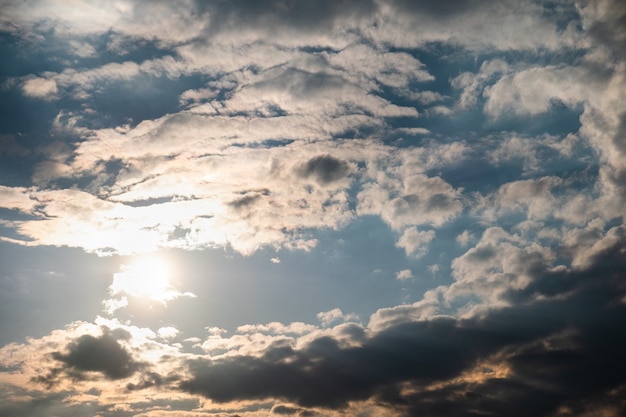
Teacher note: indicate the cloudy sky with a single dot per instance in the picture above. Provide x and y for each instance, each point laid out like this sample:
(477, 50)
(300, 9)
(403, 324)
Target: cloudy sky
(312, 208)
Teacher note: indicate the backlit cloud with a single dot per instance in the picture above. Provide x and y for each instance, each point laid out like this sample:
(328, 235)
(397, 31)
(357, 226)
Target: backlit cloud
(333, 208)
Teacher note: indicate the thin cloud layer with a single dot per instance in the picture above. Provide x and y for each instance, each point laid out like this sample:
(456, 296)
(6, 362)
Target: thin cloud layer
(455, 171)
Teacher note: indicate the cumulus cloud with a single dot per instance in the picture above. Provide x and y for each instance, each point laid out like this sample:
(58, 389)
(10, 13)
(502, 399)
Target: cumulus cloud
(415, 242)
(464, 238)
(487, 138)
(324, 169)
(40, 88)
(404, 274)
(244, 216)
(418, 199)
(88, 354)
(533, 91)
(168, 332)
(559, 334)
(500, 262)
(100, 354)
(84, 358)
(334, 315)
(538, 345)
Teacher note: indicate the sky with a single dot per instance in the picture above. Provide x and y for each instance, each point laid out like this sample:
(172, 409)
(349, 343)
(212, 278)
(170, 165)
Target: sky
(312, 208)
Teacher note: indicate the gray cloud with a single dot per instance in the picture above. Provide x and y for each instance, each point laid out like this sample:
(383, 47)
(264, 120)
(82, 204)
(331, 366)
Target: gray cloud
(246, 201)
(619, 140)
(47, 404)
(324, 169)
(101, 354)
(150, 379)
(434, 8)
(560, 342)
(610, 29)
(275, 14)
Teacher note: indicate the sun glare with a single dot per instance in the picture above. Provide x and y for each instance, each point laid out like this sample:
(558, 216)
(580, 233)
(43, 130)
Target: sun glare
(146, 277)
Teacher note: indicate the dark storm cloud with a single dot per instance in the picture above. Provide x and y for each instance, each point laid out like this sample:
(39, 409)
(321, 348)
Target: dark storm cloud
(579, 369)
(101, 354)
(326, 375)
(325, 169)
(562, 342)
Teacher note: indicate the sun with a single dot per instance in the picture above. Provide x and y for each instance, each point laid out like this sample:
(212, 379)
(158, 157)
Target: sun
(146, 277)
